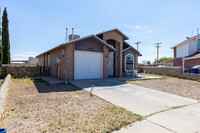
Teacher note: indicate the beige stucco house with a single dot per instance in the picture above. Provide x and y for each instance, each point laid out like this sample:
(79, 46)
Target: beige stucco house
(101, 55)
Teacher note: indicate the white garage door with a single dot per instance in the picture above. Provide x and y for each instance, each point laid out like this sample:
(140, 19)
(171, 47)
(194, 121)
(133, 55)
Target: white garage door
(88, 65)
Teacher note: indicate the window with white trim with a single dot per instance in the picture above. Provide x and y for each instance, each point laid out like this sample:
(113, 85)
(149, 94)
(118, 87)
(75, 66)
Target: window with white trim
(198, 44)
(129, 62)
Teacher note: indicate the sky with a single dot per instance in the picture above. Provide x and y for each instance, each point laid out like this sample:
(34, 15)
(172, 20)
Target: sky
(38, 25)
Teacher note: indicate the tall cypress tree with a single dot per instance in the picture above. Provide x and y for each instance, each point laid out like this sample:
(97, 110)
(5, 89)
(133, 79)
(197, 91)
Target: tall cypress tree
(1, 54)
(5, 38)
(1, 58)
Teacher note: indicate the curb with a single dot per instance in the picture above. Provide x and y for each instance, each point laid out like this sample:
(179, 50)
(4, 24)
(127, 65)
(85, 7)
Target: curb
(3, 93)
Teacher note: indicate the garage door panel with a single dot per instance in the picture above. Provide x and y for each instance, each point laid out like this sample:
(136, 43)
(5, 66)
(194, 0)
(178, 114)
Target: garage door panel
(88, 65)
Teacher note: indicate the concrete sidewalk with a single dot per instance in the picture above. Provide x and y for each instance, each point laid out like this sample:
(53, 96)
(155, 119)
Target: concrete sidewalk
(144, 101)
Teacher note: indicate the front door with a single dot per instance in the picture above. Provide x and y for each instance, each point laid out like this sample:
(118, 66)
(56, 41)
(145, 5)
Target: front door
(111, 64)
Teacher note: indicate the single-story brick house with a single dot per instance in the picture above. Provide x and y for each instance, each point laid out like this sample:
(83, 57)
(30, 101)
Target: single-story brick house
(187, 53)
(95, 56)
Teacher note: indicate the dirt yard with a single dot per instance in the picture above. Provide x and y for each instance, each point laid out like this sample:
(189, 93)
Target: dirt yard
(37, 107)
(182, 87)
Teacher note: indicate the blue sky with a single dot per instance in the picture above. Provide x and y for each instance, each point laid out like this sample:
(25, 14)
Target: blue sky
(38, 25)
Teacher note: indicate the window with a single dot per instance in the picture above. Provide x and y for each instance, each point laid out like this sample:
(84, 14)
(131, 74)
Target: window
(129, 62)
(63, 52)
(198, 44)
(48, 63)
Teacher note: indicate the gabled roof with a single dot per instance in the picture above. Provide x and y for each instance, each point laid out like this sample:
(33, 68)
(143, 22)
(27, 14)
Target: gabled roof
(117, 30)
(78, 40)
(183, 42)
(130, 47)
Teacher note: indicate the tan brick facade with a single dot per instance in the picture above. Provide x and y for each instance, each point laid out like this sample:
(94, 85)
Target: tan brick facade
(65, 70)
(70, 61)
(113, 35)
(129, 51)
(105, 61)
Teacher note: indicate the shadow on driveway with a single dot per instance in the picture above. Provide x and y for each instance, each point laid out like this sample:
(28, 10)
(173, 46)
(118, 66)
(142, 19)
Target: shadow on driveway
(101, 83)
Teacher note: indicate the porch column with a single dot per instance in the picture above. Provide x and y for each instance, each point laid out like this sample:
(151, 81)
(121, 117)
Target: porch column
(105, 61)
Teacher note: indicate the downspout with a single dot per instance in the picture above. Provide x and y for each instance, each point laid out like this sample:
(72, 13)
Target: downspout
(183, 64)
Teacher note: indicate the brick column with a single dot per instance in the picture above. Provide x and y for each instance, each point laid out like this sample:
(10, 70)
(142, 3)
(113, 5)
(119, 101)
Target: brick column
(105, 61)
(120, 59)
(70, 61)
(116, 59)
(175, 53)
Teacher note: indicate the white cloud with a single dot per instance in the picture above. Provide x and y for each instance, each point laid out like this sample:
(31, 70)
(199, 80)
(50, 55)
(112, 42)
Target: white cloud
(137, 27)
(150, 32)
(132, 26)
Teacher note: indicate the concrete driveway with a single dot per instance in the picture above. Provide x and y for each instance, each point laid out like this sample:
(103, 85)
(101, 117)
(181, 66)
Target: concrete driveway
(170, 113)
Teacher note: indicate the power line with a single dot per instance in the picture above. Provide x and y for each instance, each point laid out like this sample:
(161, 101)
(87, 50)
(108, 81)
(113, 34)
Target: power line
(157, 46)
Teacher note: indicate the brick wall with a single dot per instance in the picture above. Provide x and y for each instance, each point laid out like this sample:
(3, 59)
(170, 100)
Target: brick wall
(65, 70)
(70, 61)
(188, 63)
(170, 71)
(130, 51)
(192, 62)
(178, 62)
(105, 61)
(118, 53)
(20, 71)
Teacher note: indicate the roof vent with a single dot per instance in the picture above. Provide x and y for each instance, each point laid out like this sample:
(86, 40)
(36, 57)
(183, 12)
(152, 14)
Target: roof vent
(187, 38)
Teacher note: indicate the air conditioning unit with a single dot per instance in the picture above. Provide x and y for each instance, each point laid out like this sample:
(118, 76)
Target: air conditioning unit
(57, 60)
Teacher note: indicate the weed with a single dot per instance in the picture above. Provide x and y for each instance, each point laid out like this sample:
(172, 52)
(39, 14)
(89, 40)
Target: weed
(176, 107)
(25, 116)
(45, 129)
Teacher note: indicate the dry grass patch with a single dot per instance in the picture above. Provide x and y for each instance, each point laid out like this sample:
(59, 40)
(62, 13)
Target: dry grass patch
(37, 107)
(182, 87)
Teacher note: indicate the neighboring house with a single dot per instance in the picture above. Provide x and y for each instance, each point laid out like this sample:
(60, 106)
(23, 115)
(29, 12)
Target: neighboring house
(96, 56)
(30, 61)
(187, 53)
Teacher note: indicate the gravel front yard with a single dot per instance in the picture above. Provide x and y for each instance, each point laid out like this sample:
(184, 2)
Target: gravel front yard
(182, 87)
(37, 107)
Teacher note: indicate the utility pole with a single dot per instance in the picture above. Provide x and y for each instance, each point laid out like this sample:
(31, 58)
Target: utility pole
(137, 43)
(157, 46)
